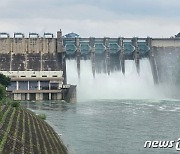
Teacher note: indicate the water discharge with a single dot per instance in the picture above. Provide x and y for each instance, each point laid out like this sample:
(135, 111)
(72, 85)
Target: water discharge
(116, 85)
(126, 111)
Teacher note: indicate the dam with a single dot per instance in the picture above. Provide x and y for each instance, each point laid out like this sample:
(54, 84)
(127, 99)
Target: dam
(37, 65)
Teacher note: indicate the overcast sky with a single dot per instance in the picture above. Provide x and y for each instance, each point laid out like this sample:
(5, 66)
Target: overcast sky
(98, 18)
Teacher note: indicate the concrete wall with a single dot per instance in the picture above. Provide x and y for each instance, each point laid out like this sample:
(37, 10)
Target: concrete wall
(171, 42)
(41, 53)
(38, 96)
(49, 45)
(30, 45)
(29, 74)
(18, 45)
(33, 53)
(20, 54)
(5, 45)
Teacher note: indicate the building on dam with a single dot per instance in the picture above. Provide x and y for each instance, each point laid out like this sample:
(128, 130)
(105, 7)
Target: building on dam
(35, 85)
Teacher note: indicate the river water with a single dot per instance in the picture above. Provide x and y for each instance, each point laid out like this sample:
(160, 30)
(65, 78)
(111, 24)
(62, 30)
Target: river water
(114, 114)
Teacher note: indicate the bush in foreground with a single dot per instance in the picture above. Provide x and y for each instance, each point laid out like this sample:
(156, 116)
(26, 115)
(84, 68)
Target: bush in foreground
(15, 104)
(2, 92)
(42, 116)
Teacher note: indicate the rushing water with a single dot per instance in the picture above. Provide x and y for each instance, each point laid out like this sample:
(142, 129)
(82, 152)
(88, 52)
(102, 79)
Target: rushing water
(114, 114)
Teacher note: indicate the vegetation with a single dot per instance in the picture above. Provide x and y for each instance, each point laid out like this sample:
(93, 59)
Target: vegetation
(22, 131)
(2, 92)
(178, 35)
(15, 104)
(42, 116)
(2, 97)
(4, 80)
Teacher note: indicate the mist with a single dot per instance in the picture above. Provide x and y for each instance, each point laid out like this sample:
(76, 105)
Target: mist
(168, 63)
(116, 85)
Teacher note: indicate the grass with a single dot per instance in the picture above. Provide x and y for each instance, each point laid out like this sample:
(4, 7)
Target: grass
(4, 139)
(22, 131)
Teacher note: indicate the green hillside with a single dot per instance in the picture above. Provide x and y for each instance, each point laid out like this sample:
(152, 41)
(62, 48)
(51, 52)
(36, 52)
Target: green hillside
(21, 131)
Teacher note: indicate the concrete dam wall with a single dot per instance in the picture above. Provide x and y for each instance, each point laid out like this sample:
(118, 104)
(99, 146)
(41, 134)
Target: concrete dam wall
(36, 67)
(48, 54)
(25, 54)
(20, 53)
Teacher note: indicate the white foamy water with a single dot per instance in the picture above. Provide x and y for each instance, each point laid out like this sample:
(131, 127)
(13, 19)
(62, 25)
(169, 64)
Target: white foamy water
(116, 85)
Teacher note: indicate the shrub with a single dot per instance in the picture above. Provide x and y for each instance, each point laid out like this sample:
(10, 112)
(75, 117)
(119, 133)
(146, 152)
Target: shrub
(0, 117)
(7, 101)
(2, 92)
(4, 80)
(15, 104)
(42, 116)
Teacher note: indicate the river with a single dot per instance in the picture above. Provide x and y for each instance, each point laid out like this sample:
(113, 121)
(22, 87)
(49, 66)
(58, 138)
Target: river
(114, 114)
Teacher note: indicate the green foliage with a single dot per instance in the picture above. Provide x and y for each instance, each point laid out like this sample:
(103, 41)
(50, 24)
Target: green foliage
(42, 116)
(15, 104)
(4, 80)
(2, 92)
(1, 117)
(7, 101)
(5, 137)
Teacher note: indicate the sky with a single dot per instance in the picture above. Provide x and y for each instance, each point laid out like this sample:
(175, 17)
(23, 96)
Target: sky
(92, 18)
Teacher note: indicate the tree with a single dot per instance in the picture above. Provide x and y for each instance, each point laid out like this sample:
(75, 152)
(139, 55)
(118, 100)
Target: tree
(4, 80)
(2, 97)
(178, 35)
(2, 92)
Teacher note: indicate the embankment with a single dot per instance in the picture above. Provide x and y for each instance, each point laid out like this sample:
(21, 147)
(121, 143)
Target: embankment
(21, 131)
